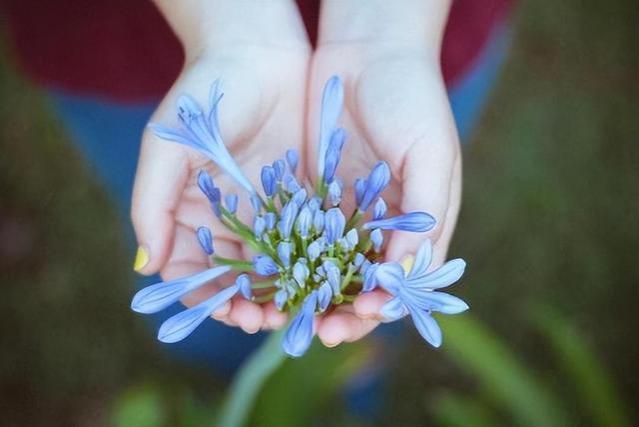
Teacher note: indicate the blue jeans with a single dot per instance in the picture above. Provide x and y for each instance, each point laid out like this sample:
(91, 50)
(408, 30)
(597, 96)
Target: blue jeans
(108, 134)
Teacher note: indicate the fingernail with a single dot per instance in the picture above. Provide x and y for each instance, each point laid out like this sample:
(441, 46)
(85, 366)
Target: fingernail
(141, 258)
(407, 263)
(331, 345)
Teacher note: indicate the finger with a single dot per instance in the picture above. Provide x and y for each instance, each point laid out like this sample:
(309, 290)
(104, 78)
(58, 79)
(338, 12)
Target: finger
(440, 247)
(247, 315)
(368, 305)
(161, 176)
(273, 318)
(426, 182)
(343, 325)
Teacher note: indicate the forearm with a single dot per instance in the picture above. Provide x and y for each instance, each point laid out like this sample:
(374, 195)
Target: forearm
(209, 24)
(411, 23)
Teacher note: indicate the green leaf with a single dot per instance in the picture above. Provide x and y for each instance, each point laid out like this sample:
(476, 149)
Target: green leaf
(511, 384)
(589, 378)
(139, 406)
(453, 410)
(295, 394)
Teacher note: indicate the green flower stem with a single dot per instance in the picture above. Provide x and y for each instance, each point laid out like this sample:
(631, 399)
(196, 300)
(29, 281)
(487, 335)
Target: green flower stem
(264, 298)
(236, 264)
(250, 379)
(347, 277)
(354, 219)
(265, 284)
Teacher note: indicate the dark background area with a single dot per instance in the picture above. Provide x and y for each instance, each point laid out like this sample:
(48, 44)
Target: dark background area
(548, 227)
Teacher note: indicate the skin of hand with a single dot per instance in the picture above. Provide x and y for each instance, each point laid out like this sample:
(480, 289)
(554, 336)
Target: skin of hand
(263, 63)
(396, 109)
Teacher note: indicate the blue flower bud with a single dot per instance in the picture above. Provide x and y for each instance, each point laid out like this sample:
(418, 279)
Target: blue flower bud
(352, 238)
(256, 202)
(205, 238)
(231, 202)
(369, 278)
(299, 334)
(334, 223)
(299, 197)
(268, 180)
(314, 203)
(377, 180)
(279, 168)
(280, 299)
(292, 158)
(359, 260)
(333, 276)
(319, 221)
(304, 222)
(314, 250)
(324, 295)
(269, 219)
(205, 182)
(360, 188)
(264, 265)
(284, 253)
(377, 238)
(379, 210)
(290, 184)
(335, 192)
(243, 282)
(287, 219)
(300, 272)
(259, 225)
(412, 221)
(333, 154)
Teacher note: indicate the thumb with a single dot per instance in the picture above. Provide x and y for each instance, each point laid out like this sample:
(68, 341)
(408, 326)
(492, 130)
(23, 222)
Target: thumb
(160, 179)
(426, 184)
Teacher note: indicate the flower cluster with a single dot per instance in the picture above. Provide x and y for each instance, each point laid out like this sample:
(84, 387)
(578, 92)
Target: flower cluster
(312, 255)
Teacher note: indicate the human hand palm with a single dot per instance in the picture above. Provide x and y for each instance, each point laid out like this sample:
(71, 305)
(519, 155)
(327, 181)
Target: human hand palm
(264, 111)
(395, 109)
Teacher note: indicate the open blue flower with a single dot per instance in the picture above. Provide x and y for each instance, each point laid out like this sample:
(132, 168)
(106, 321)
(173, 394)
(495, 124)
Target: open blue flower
(414, 292)
(412, 221)
(202, 133)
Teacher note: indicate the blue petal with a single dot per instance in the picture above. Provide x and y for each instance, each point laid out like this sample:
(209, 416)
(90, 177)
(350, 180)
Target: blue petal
(300, 272)
(259, 225)
(279, 167)
(174, 135)
(268, 180)
(243, 283)
(332, 101)
(422, 261)
(289, 215)
(393, 310)
(333, 276)
(161, 295)
(444, 276)
(319, 220)
(360, 189)
(181, 325)
(434, 301)
(377, 238)
(333, 154)
(299, 334)
(304, 222)
(377, 180)
(284, 250)
(335, 192)
(270, 219)
(426, 326)
(390, 276)
(370, 279)
(280, 298)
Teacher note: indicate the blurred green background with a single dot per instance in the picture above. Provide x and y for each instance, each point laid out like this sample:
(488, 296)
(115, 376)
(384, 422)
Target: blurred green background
(549, 228)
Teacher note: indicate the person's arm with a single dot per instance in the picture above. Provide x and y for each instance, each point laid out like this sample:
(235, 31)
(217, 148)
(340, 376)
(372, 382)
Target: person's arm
(397, 110)
(259, 51)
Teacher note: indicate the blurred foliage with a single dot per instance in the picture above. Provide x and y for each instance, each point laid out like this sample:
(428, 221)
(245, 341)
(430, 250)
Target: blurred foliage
(549, 215)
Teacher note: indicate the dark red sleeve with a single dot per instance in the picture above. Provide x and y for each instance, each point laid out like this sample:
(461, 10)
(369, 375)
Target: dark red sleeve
(124, 50)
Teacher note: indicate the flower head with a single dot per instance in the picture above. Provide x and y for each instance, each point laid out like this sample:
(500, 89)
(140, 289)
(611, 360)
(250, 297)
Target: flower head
(311, 253)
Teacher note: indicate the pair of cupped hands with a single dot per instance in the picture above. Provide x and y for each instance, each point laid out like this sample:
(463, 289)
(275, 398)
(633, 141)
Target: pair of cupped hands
(395, 109)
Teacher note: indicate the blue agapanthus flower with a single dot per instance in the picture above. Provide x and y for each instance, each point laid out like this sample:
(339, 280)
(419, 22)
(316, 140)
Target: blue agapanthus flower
(311, 254)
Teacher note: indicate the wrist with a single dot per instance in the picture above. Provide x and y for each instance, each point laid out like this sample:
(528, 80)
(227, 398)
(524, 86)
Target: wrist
(407, 25)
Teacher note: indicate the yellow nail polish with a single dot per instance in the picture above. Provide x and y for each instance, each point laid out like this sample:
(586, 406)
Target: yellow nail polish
(407, 263)
(141, 259)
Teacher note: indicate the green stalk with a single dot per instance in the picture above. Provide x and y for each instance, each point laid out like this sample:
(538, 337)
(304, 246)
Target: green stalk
(235, 264)
(250, 379)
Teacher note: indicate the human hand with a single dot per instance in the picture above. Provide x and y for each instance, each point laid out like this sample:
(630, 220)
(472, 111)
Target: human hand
(396, 109)
(262, 61)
